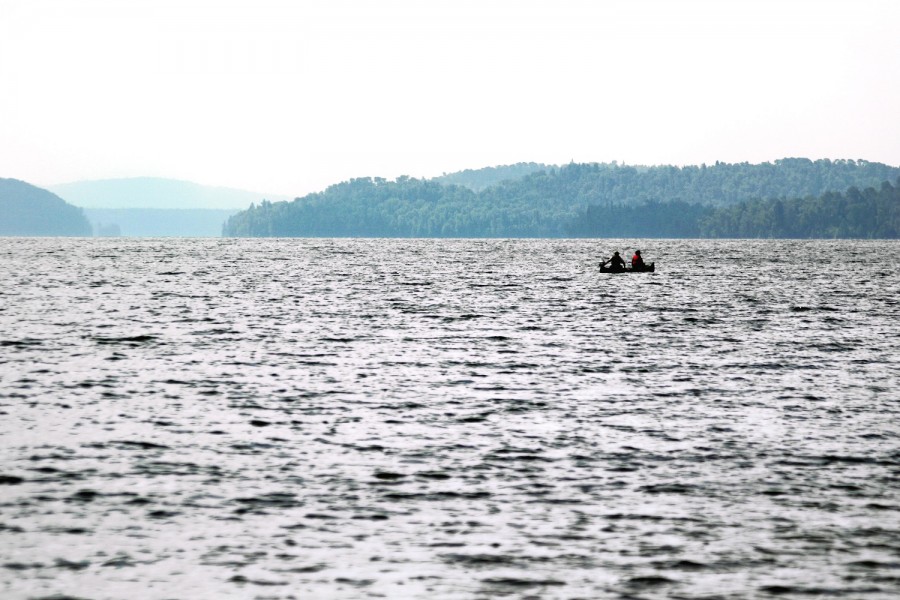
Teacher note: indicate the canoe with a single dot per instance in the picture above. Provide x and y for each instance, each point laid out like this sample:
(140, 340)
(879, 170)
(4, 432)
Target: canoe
(647, 269)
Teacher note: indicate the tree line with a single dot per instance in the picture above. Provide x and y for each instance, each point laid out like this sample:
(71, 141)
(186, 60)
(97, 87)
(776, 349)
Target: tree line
(867, 213)
(787, 198)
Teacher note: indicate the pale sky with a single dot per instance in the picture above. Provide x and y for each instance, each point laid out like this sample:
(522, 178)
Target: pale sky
(292, 96)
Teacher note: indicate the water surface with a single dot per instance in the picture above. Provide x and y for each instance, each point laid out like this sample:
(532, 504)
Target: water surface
(448, 419)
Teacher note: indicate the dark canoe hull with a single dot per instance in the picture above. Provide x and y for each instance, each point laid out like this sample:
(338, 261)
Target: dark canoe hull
(647, 269)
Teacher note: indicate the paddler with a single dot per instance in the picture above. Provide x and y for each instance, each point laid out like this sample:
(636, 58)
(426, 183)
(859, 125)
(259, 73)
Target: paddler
(615, 262)
(637, 263)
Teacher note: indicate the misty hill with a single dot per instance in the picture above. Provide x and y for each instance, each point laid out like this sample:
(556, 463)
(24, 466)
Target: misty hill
(156, 193)
(154, 222)
(557, 202)
(29, 210)
(479, 179)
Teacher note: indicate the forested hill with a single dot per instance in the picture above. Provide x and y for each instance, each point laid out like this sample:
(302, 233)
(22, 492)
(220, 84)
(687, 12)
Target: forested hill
(369, 207)
(719, 184)
(855, 213)
(867, 213)
(555, 202)
(29, 210)
(478, 179)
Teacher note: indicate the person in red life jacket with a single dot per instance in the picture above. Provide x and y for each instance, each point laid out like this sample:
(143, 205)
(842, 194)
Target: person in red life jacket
(615, 262)
(637, 263)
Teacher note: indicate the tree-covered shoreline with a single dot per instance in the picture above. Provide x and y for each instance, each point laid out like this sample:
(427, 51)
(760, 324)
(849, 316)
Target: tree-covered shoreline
(868, 213)
(787, 198)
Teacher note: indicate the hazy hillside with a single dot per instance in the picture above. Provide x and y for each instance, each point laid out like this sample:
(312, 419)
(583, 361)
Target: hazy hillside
(479, 179)
(149, 192)
(152, 222)
(572, 200)
(29, 210)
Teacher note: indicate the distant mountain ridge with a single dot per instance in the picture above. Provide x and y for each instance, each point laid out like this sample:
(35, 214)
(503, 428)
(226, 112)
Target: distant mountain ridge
(27, 210)
(157, 193)
(583, 200)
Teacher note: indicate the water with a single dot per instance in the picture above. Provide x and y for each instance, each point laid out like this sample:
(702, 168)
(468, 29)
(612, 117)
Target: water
(448, 419)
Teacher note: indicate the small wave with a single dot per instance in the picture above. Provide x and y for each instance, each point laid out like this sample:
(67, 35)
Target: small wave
(17, 566)
(517, 582)
(646, 581)
(681, 565)
(139, 444)
(261, 582)
(272, 500)
(437, 495)
(71, 565)
(131, 340)
(26, 343)
(791, 590)
(478, 560)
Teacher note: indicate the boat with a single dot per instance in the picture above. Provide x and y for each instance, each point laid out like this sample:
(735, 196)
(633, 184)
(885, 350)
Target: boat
(647, 269)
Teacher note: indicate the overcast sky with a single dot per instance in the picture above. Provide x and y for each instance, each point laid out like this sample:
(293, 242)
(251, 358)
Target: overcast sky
(292, 96)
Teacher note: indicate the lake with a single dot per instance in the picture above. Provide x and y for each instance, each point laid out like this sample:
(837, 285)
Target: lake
(348, 418)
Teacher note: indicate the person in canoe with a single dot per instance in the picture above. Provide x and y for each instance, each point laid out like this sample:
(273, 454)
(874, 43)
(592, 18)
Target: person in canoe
(637, 263)
(615, 262)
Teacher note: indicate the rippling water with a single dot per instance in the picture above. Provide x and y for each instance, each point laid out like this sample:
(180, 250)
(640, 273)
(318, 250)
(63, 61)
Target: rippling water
(448, 419)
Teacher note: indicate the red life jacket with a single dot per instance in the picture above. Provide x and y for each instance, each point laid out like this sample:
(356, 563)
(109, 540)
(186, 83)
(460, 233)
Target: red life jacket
(637, 261)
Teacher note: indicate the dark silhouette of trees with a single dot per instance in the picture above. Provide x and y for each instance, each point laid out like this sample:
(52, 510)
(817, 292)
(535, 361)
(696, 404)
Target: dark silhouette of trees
(870, 213)
(600, 200)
